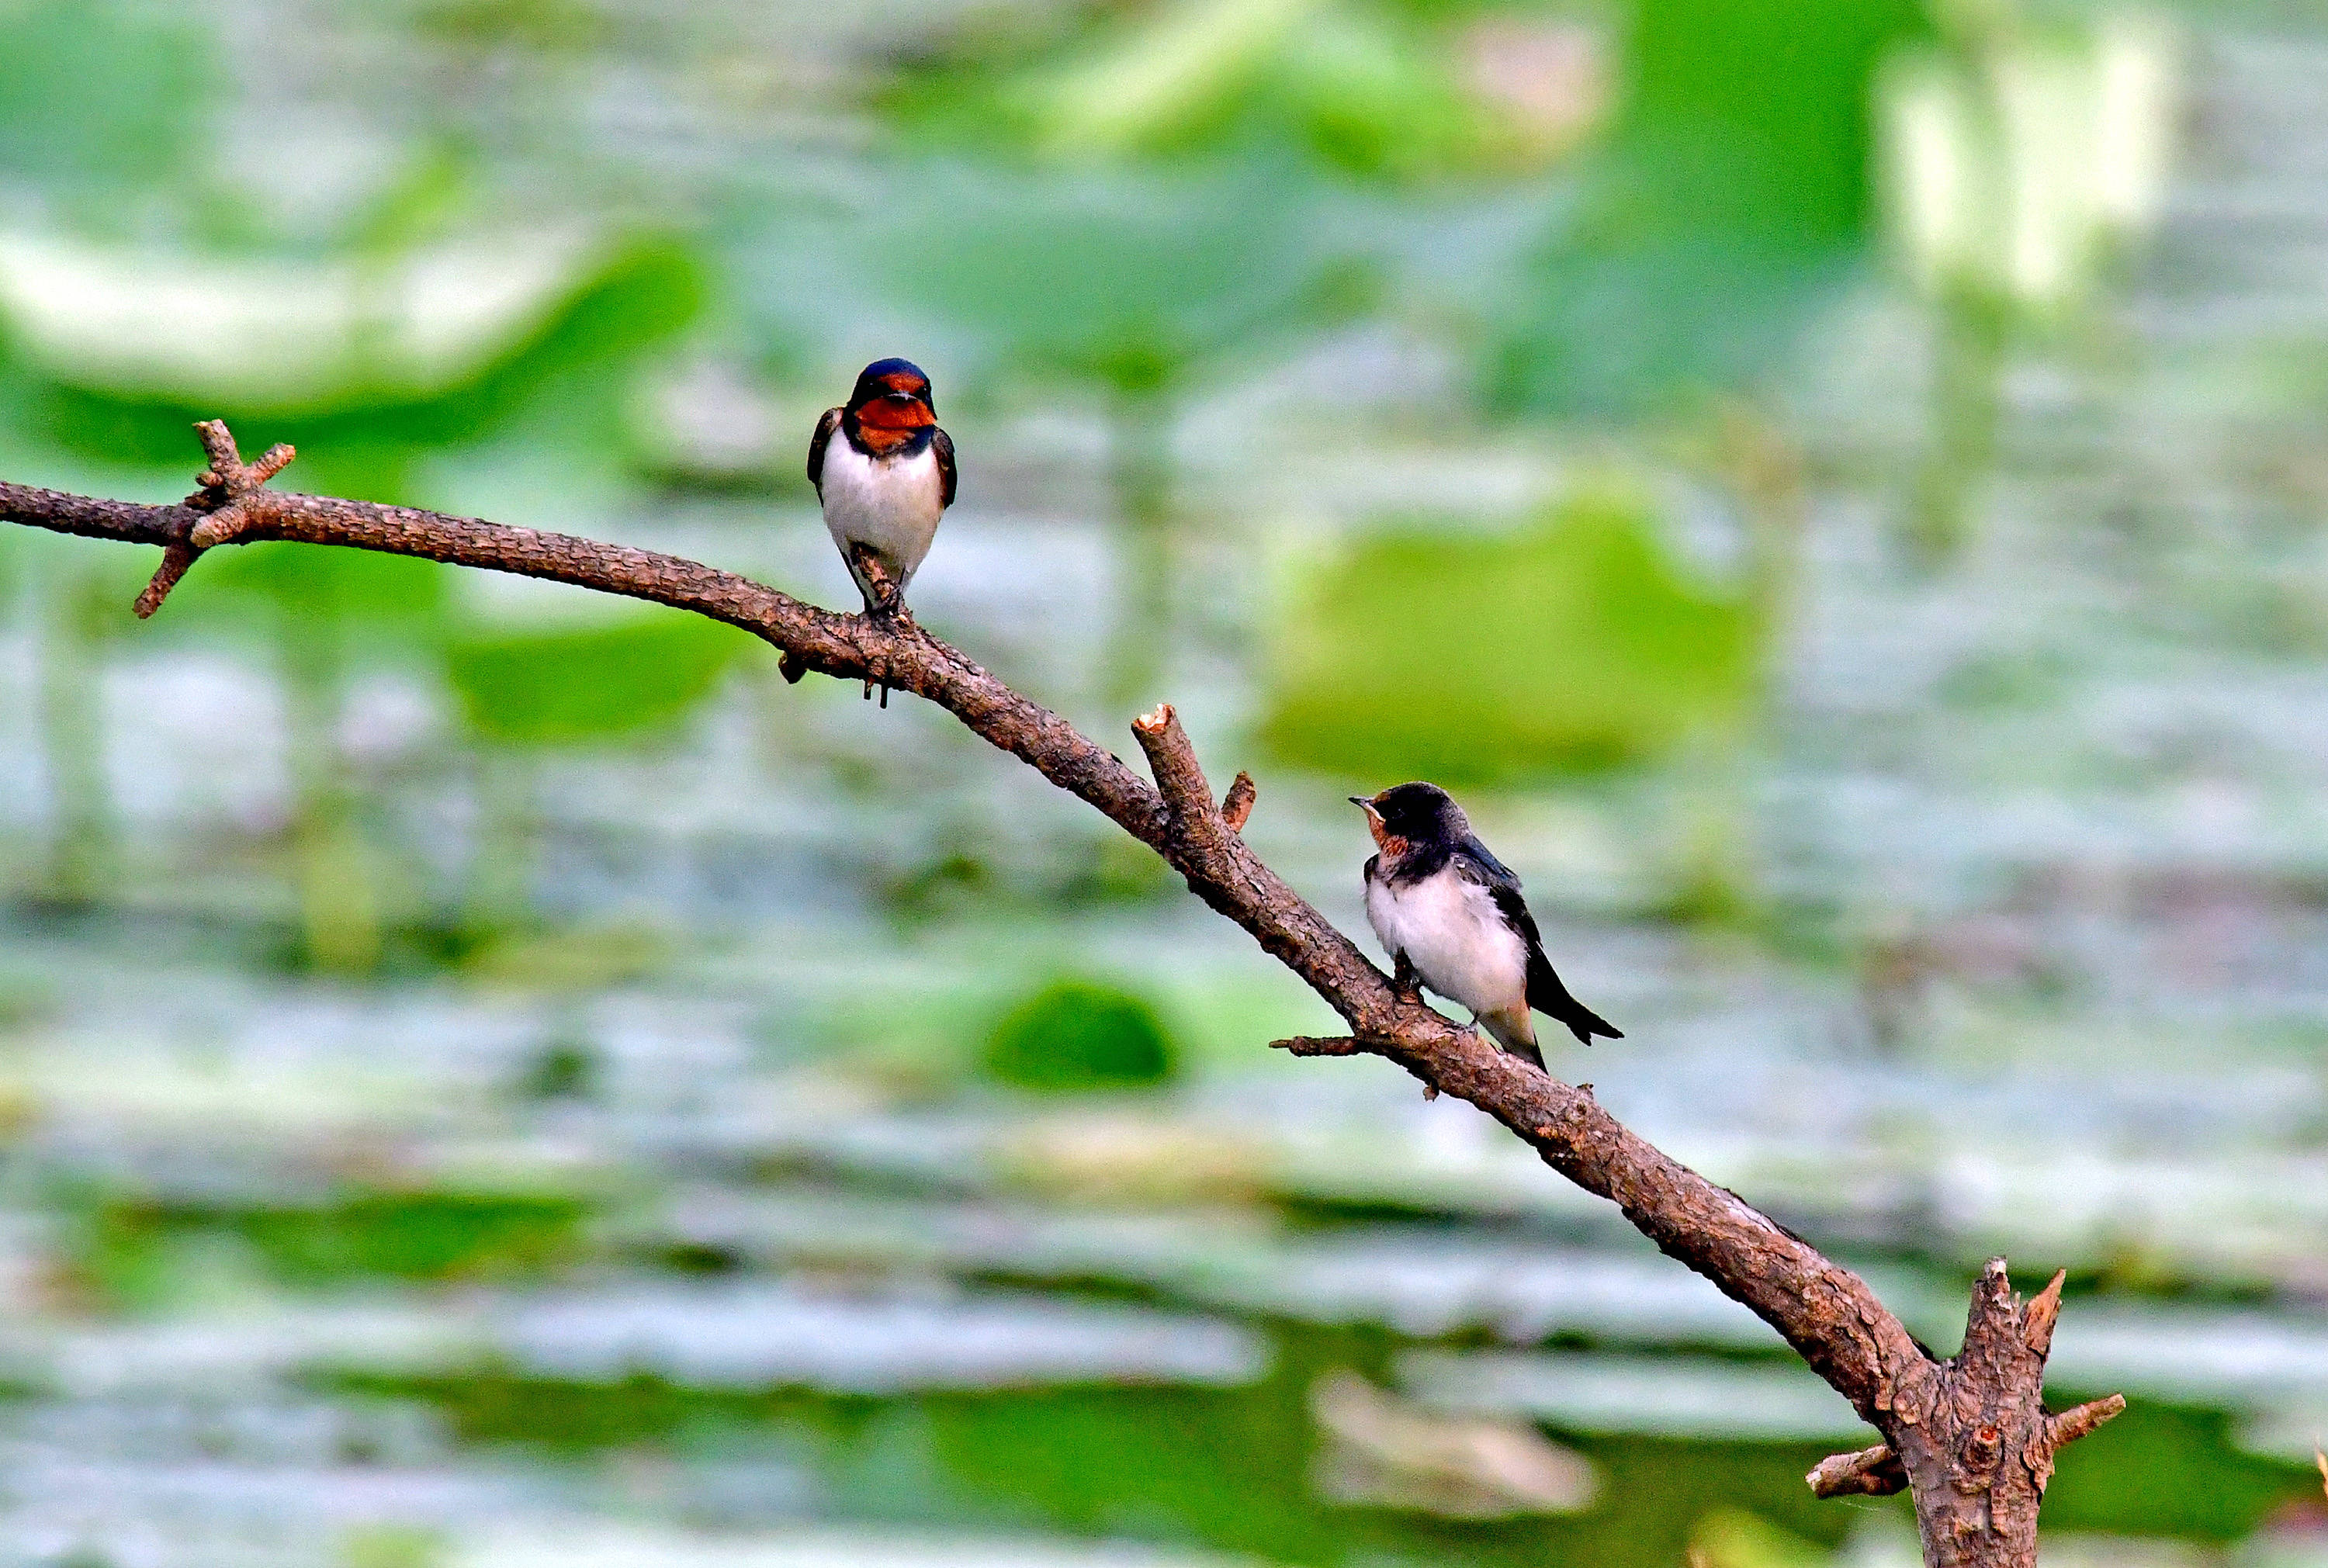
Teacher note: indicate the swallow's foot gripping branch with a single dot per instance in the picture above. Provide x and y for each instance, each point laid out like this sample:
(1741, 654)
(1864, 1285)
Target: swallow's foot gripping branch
(1969, 1436)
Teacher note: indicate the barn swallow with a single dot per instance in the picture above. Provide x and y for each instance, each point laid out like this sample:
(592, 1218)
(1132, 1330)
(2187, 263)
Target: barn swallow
(886, 482)
(1450, 915)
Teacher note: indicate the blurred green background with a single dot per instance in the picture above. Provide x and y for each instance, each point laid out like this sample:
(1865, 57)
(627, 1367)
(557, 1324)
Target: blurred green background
(489, 1074)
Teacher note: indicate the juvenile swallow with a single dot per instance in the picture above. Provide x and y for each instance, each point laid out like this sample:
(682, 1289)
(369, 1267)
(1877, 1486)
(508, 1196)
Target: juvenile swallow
(886, 482)
(1450, 915)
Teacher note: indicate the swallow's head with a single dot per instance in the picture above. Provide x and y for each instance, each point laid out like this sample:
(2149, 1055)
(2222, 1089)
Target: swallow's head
(1412, 813)
(893, 396)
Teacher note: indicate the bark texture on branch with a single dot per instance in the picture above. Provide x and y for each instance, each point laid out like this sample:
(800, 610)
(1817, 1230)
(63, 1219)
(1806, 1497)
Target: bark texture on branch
(1969, 1436)
(1974, 1436)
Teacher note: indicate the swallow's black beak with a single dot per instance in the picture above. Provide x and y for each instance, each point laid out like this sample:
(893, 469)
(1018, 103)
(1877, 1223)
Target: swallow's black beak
(1360, 801)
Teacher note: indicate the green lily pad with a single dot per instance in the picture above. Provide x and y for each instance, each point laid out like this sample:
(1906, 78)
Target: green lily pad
(1363, 89)
(1075, 1034)
(1577, 643)
(371, 597)
(101, 95)
(286, 336)
(1123, 283)
(569, 369)
(571, 685)
(1729, 201)
(1165, 74)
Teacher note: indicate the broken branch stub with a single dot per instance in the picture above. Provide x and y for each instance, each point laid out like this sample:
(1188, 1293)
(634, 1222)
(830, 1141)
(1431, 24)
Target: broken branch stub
(1872, 1473)
(1970, 1437)
(1236, 806)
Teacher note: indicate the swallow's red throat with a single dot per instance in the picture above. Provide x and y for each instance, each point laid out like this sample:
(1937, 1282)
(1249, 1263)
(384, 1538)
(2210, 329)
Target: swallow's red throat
(881, 443)
(881, 414)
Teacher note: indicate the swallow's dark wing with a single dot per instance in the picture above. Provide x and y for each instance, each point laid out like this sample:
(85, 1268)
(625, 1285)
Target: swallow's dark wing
(1498, 873)
(942, 444)
(1545, 993)
(816, 445)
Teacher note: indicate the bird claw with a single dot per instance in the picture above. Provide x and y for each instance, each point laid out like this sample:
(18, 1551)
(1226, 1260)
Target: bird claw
(1404, 980)
(885, 596)
(885, 606)
(1478, 1031)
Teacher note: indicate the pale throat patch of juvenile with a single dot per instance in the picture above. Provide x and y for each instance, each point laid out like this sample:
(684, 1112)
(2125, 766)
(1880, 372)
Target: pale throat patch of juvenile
(1451, 917)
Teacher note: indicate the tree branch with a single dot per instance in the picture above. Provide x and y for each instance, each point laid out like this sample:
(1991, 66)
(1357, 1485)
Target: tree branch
(2072, 1424)
(1877, 1472)
(1958, 1427)
(234, 496)
(1872, 1473)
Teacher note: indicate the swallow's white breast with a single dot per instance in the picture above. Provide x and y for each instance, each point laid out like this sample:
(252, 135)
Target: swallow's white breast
(890, 503)
(1451, 932)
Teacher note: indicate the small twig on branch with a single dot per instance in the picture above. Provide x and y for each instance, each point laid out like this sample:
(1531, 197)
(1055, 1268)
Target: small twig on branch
(1971, 1435)
(1872, 1473)
(1314, 1045)
(176, 557)
(2079, 1422)
(1236, 806)
(2044, 1309)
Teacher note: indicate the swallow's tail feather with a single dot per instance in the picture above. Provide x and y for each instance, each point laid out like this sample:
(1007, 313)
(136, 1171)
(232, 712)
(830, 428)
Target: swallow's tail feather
(1585, 1023)
(1549, 997)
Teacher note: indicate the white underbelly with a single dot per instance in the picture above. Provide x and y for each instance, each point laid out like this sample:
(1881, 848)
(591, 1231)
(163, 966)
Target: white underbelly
(1451, 932)
(892, 505)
